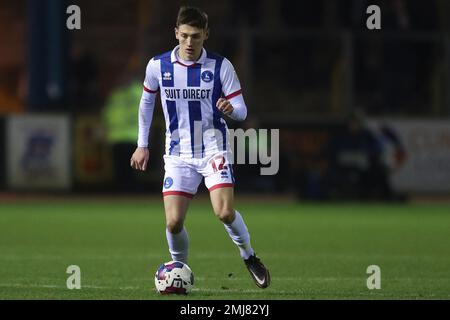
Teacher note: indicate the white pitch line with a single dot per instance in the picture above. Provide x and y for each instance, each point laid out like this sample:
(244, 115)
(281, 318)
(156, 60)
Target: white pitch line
(224, 291)
(21, 285)
(200, 290)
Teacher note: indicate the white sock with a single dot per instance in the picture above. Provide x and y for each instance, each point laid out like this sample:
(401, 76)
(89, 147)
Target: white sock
(239, 234)
(178, 245)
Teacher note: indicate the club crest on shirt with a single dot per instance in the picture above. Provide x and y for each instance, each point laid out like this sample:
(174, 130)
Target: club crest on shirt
(167, 76)
(168, 182)
(207, 76)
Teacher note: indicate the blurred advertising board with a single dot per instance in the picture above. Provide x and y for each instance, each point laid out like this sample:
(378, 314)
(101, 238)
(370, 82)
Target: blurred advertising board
(38, 152)
(93, 158)
(426, 165)
(2, 153)
(303, 159)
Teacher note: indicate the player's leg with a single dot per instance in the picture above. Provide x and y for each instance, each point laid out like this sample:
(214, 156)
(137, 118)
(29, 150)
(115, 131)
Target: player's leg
(180, 185)
(176, 207)
(222, 201)
(220, 181)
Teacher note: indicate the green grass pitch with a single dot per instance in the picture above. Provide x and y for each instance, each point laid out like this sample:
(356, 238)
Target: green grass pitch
(314, 251)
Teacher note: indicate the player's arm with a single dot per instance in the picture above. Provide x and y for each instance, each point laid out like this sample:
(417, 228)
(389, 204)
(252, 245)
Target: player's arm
(233, 104)
(235, 108)
(140, 157)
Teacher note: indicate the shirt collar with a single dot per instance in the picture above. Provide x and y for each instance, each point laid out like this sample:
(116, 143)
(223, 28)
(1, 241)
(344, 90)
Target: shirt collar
(201, 60)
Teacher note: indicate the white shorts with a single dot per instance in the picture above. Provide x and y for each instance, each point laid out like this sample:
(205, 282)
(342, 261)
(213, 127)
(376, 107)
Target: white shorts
(183, 175)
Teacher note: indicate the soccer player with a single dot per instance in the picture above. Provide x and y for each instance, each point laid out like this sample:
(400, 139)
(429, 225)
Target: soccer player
(198, 89)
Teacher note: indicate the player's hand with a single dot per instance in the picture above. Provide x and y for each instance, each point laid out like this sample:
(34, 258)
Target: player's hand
(224, 106)
(139, 159)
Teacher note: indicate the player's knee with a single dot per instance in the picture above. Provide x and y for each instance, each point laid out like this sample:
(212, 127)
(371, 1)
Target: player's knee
(174, 226)
(226, 215)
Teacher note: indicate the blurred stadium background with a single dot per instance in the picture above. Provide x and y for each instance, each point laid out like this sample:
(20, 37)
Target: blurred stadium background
(307, 68)
(364, 115)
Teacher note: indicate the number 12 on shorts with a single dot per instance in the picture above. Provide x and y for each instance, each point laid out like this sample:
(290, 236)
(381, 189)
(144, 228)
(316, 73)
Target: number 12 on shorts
(218, 163)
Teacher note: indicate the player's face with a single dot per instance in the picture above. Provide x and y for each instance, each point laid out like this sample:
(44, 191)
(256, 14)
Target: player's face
(191, 41)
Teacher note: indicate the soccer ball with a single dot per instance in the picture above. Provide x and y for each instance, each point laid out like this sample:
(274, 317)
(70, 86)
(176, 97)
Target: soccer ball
(174, 277)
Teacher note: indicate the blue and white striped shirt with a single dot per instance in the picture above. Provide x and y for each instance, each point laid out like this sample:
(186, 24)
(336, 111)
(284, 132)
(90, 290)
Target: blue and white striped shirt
(189, 93)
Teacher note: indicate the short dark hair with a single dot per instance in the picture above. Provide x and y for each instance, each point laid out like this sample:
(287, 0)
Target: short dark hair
(193, 17)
